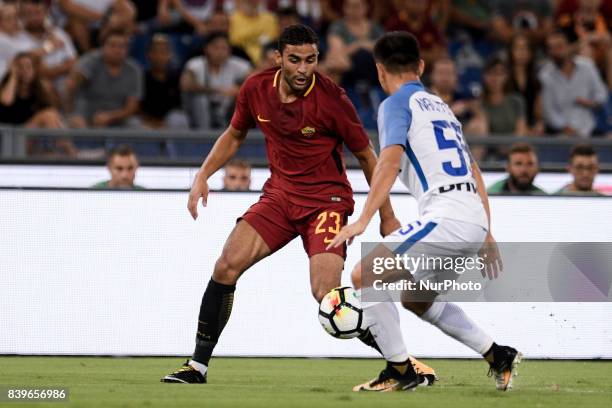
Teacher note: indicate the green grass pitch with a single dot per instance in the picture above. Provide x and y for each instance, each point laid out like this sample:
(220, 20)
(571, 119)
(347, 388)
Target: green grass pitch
(267, 382)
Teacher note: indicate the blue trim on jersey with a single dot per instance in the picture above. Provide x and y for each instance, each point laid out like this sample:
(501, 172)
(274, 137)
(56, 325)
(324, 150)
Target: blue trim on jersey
(395, 115)
(406, 245)
(417, 167)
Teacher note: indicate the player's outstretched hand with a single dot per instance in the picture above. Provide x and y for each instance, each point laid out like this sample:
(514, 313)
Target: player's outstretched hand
(388, 225)
(198, 189)
(348, 233)
(492, 258)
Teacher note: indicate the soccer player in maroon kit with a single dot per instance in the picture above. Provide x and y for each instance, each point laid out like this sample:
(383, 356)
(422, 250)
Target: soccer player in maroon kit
(306, 120)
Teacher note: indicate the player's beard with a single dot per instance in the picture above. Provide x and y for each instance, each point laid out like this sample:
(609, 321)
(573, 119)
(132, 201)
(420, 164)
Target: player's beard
(523, 183)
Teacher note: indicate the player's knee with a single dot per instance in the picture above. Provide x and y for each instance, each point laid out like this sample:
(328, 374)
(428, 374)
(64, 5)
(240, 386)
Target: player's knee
(418, 308)
(226, 271)
(356, 276)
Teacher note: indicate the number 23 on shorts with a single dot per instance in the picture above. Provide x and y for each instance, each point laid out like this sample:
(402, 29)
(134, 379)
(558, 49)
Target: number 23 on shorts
(324, 227)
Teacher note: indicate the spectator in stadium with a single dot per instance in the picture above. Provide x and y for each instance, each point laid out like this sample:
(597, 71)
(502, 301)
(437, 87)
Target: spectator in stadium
(522, 168)
(309, 11)
(58, 53)
(211, 83)
(569, 7)
(505, 111)
(122, 165)
(469, 111)
(287, 16)
(472, 16)
(237, 175)
(378, 10)
(524, 79)
(571, 89)
(350, 43)
(193, 15)
(586, 27)
(219, 21)
(161, 104)
(532, 18)
(250, 28)
(25, 99)
(583, 166)
(105, 87)
(414, 17)
(444, 81)
(85, 15)
(147, 12)
(13, 39)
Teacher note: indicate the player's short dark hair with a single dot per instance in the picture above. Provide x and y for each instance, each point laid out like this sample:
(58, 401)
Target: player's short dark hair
(521, 148)
(120, 150)
(398, 51)
(582, 149)
(240, 163)
(297, 34)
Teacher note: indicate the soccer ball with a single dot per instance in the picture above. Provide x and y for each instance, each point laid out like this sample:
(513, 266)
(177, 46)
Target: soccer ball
(340, 313)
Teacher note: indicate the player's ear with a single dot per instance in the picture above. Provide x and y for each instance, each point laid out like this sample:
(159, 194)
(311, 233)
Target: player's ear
(421, 67)
(380, 69)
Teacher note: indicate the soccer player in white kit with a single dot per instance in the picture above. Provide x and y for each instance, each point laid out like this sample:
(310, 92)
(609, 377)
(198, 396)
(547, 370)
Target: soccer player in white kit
(421, 141)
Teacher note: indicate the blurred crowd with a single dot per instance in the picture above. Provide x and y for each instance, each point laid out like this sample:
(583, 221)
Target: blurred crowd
(526, 68)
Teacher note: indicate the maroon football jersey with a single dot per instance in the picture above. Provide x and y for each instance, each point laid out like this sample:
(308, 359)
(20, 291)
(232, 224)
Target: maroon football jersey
(304, 138)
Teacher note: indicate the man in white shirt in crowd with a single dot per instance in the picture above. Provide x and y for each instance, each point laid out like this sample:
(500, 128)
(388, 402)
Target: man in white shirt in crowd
(211, 83)
(571, 89)
(59, 52)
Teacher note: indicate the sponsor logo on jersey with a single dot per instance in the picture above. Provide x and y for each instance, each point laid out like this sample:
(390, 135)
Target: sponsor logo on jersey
(466, 186)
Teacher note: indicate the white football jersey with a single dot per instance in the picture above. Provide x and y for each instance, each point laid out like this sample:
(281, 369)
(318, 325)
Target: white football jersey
(436, 168)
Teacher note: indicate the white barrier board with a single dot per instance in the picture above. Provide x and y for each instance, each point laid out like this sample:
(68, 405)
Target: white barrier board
(18, 175)
(101, 272)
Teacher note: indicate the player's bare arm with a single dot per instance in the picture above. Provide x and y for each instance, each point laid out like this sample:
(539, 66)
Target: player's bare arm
(388, 222)
(489, 250)
(384, 176)
(224, 149)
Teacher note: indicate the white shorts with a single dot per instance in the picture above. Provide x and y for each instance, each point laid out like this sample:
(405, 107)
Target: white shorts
(435, 237)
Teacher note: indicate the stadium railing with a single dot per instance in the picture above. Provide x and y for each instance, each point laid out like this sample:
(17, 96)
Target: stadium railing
(189, 147)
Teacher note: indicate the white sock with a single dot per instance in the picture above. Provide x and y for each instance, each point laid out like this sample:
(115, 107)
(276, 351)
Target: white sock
(198, 366)
(383, 321)
(453, 321)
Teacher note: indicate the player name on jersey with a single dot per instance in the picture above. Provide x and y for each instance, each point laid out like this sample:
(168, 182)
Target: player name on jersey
(430, 105)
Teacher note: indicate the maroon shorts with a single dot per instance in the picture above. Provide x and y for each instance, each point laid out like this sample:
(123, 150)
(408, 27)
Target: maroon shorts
(278, 222)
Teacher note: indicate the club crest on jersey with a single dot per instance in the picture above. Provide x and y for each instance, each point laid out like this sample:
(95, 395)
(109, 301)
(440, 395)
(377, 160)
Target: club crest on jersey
(308, 131)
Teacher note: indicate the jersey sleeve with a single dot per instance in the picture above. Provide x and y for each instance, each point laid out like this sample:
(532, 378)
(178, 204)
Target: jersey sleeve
(394, 120)
(242, 118)
(348, 125)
